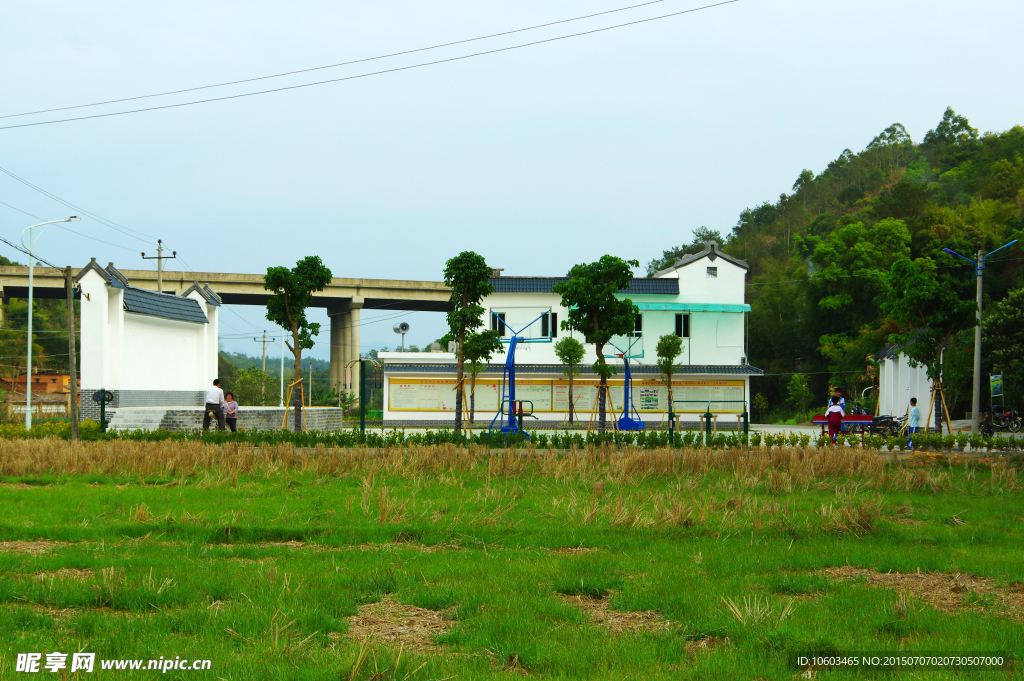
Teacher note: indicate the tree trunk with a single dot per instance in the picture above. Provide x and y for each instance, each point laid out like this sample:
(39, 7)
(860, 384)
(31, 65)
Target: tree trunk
(602, 391)
(459, 391)
(572, 368)
(298, 375)
(472, 399)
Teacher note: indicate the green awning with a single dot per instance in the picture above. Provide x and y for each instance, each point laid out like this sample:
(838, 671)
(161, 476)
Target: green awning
(694, 307)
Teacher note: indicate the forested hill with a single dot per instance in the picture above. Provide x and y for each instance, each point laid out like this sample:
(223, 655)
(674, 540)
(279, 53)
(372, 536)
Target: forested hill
(819, 255)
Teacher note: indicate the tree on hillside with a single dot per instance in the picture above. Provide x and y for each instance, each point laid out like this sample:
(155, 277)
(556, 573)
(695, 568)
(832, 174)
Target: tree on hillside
(926, 313)
(668, 258)
(479, 349)
(468, 276)
(952, 141)
(595, 312)
(1004, 340)
(670, 346)
(293, 293)
(570, 352)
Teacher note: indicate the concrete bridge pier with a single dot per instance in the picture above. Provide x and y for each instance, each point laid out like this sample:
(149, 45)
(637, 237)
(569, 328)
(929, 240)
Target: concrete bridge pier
(345, 320)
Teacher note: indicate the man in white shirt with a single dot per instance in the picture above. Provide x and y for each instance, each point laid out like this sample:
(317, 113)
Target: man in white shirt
(913, 422)
(214, 404)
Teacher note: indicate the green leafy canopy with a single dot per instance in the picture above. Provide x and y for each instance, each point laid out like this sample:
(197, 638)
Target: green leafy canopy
(293, 293)
(594, 309)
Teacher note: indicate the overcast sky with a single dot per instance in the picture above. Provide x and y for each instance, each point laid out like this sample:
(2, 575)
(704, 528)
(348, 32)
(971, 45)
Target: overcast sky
(619, 142)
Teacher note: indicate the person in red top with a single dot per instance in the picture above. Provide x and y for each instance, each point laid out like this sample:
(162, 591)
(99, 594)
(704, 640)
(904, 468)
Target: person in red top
(834, 415)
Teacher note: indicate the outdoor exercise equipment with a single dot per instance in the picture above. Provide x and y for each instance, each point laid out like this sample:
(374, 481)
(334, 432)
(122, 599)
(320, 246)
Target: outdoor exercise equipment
(511, 412)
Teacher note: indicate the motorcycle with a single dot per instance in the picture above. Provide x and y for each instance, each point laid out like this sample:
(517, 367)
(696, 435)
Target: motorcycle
(1004, 420)
(1009, 419)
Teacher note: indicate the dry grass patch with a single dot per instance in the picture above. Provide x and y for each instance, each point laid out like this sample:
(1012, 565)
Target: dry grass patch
(598, 612)
(943, 591)
(393, 622)
(706, 645)
(65, 573)
(573, 550)
(35, 548)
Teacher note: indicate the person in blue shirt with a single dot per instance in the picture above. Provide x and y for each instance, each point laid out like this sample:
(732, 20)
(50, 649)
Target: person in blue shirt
(913, 422)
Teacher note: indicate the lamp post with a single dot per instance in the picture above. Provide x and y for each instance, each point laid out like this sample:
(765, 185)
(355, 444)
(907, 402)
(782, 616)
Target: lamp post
(31, 267)
(979, 273)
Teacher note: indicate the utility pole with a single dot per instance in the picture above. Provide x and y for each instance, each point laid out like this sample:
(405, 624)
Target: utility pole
(309, 400)
(282, 369)
(264, 342)
(160, 257)
(979, 274)
(72, 358)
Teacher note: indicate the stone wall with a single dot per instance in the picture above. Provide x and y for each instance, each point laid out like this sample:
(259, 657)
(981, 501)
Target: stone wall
(138, 398)
(257, 418)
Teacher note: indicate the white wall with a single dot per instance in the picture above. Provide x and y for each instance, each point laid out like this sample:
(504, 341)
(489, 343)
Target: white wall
(898, 382)
(696, 287)
(159, 354)
(126, 351)
(716, 338)
(93, 343)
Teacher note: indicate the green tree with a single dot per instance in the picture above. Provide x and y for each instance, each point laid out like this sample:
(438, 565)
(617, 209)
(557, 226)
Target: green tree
(478, 351)
(596, 312)
(800, 394)
(670, 346)
(293, 294)
(570, 352)
(253, 387)
(469, 278)
(1004, 340)
(926, 313)
(760, 404)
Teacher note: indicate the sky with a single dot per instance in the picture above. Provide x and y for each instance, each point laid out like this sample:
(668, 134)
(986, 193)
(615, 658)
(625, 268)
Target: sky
(620, 142)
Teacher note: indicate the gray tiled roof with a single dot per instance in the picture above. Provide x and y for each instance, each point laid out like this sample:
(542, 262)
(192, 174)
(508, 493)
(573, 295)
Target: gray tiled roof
(164, 305)
(205, 291)
(712, 251)
(559, 370)
(668, 287)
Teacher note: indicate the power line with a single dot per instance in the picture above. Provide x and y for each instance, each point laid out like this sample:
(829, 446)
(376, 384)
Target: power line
(67, 229)
(331, 66)
(372, 73)
(31, 255)
(99, 218)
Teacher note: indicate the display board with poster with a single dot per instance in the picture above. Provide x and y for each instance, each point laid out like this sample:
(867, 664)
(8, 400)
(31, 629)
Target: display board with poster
(552, 395)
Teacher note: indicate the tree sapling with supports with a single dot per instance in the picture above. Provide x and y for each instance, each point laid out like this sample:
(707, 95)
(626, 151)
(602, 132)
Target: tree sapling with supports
(293, 293)
(594, 311)
(570, 352)
(469, 278)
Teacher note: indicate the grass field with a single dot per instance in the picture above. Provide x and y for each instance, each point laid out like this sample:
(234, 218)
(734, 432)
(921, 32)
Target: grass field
(451, 562)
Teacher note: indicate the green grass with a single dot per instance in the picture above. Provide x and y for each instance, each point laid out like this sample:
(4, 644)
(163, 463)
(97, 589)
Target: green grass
(196, 565)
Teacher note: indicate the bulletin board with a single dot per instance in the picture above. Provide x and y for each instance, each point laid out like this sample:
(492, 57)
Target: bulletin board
(552, 395)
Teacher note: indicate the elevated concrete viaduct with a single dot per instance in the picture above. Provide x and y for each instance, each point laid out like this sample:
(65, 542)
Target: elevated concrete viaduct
(344, 299)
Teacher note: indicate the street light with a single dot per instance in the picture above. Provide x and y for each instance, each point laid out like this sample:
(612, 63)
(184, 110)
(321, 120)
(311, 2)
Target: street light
(979, 273)
(31, 266)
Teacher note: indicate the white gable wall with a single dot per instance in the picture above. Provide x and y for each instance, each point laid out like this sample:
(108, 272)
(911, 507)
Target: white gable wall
(159, 354)
(695, 286)
(127, 351)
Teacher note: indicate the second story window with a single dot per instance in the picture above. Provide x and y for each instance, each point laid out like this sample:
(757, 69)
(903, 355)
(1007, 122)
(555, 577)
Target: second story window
(683, 325)
(549, 325)
(712, 273)
(498, 323)
(638, 326)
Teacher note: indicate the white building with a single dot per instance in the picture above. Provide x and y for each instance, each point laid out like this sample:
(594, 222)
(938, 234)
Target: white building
(898, 382)
(700, 299)
(147, 348)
